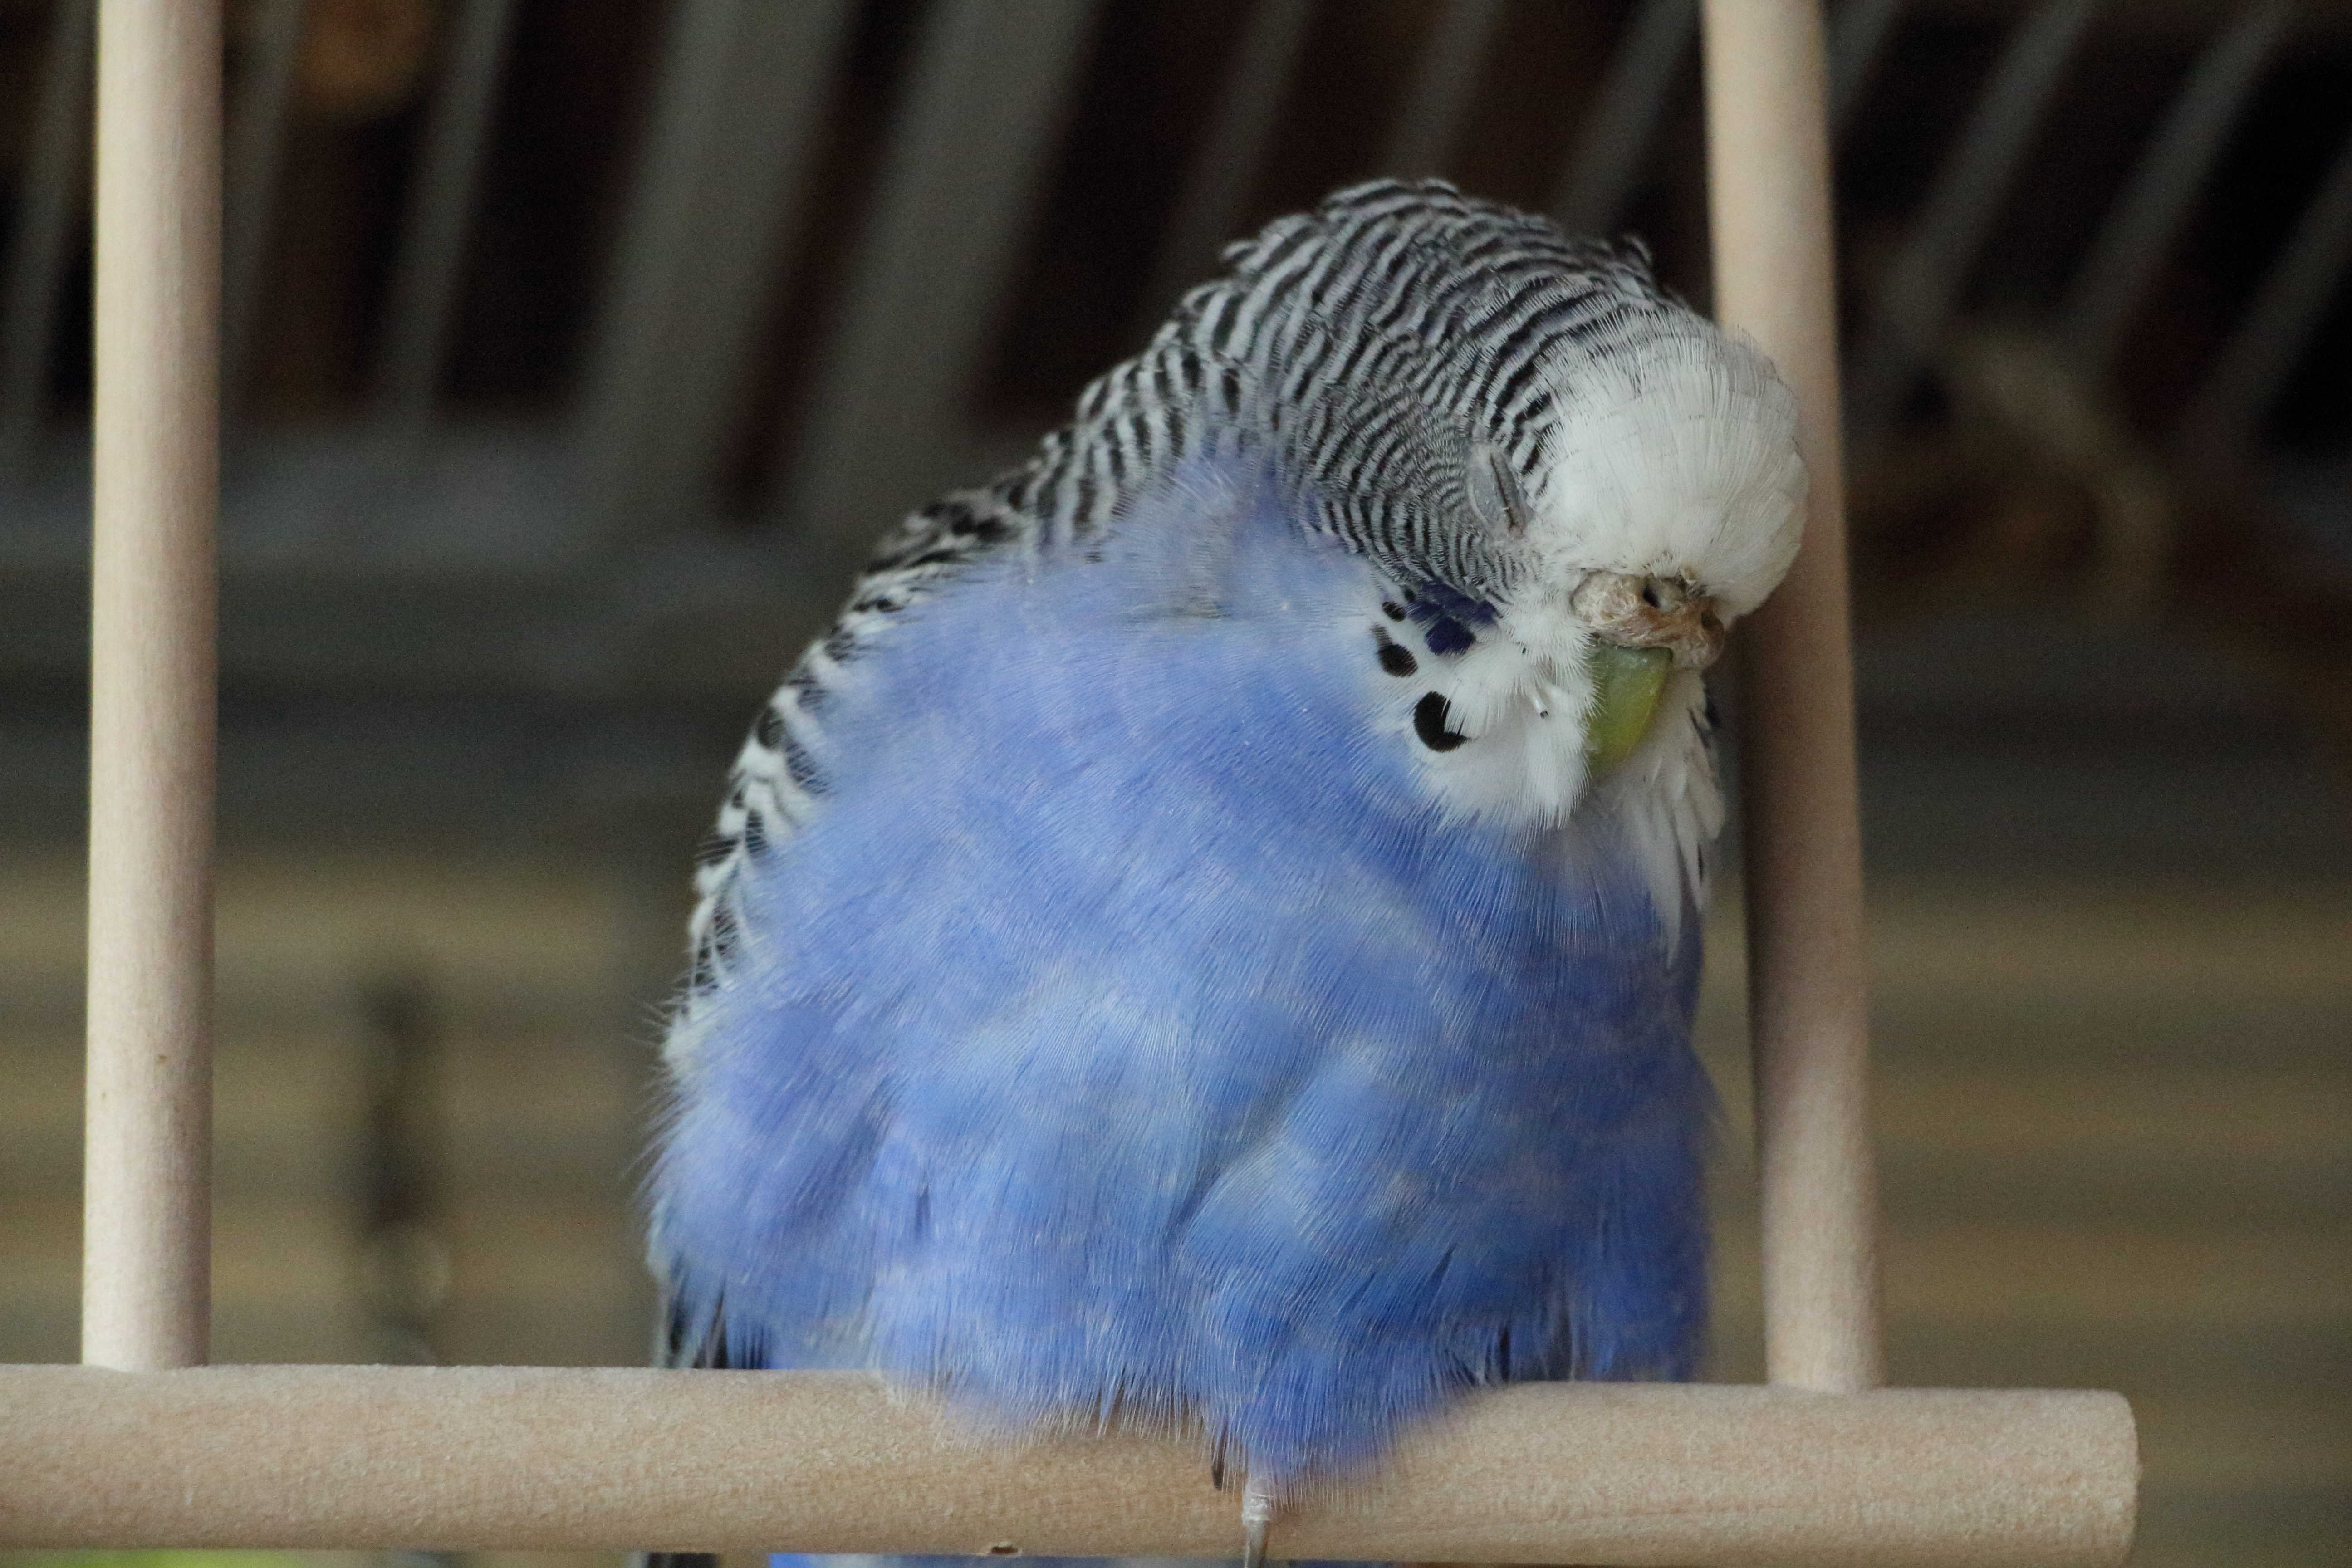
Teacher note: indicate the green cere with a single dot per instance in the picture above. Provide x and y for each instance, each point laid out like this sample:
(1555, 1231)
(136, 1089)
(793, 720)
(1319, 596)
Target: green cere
(1626, 682)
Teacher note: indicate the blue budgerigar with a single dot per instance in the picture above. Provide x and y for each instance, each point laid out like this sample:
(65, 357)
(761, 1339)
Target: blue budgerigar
(1210, 937)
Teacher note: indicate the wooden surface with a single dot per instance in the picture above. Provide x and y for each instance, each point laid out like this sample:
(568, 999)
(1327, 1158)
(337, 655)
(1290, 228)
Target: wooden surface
(1768, 208)
(147, 1239)
(460, 1457)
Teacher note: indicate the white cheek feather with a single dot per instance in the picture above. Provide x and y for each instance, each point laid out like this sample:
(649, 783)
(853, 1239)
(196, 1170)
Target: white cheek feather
(1521, 708)
(1677, 461)
(1520, 695)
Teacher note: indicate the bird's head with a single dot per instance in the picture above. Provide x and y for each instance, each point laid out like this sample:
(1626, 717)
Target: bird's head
(1601, 549)
(1569, 483)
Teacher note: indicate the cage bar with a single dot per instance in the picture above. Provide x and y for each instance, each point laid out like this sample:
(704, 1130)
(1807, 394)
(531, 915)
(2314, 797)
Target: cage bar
(889, 422)
(1616, 136)
(423, 293)
(46, 195)
(1861, 30)
(1916, 300)
(1768, 207)
(147, 1149)
(1439, 99)
(716, 210)
(255, 150)
(2138, 230)
(1222, 168)
(2264, 351)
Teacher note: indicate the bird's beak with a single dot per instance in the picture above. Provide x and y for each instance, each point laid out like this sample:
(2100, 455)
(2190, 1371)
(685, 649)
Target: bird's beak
(1651, 612)
(1626, 684)
(1643, 627)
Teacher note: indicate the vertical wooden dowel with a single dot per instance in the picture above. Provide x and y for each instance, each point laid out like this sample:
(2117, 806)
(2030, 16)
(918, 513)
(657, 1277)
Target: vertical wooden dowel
(146, 1219)
(1768, 203)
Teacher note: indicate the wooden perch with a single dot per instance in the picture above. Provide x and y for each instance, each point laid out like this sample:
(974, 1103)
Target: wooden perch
(469, 1458)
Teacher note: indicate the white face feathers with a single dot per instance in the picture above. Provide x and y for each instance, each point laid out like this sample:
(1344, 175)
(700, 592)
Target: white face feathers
(1676, 460)
(1672, 505)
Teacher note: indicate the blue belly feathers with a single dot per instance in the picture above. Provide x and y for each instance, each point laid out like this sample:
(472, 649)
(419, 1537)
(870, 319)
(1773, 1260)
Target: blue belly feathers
(1132, 1034)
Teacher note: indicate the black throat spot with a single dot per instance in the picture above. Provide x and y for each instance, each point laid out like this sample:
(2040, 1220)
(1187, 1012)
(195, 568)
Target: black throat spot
(1397, 661)
(1429, 717)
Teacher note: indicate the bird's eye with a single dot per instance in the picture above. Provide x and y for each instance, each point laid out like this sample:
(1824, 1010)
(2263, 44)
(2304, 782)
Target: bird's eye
(1496, 498)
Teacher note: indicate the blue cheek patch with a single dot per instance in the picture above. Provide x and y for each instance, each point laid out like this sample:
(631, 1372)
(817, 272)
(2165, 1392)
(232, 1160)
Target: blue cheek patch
(1445, 634)
(1446, 616)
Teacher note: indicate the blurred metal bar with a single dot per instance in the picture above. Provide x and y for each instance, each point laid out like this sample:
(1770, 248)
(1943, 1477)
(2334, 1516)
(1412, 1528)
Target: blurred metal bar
(1439, 99)
(1609, 150)
(714, 211)
(423, 293)
(1916, 300)
(256, 145)
(2262, 351)
(1860, 31)
(1224, 167)
(891, 421)
(404, 1260)
(55, 157)
(2139, 229)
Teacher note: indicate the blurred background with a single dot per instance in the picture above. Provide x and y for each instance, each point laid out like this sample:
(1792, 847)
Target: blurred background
(577, 348)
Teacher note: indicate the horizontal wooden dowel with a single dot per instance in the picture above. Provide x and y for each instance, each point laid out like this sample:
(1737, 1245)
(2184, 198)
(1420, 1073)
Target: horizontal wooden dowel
(492, 1457)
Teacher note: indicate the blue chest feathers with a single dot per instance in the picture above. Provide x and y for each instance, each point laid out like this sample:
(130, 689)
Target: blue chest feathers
(1133, 1031)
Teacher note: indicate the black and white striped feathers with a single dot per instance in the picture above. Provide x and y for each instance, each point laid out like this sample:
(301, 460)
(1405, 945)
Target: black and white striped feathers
(1479, 406)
